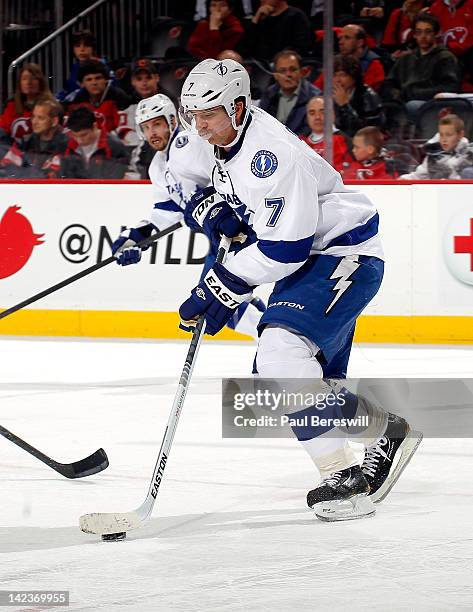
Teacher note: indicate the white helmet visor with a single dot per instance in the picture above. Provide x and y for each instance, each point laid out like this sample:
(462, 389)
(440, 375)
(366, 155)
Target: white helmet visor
(209, 124)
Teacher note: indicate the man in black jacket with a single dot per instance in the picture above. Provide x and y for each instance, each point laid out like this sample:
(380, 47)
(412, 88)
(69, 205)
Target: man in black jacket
(287, 99)
(355, 104)
(420, 74)
(276, 26)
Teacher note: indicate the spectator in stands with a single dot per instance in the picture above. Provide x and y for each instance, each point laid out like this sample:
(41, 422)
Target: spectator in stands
(352, 41)
(274, 27)
(84, 50)
(342, 10)
(456, 26)
(420, 74)
(92, 152)
(222, 30)
(355, 104)
(38, 155)
(447, 154)
(340, 142)
(370, 160)
(99, 94)
(371, 13)
(399, 33)
(287, 99)
(145, 83)
(15, 121)
(230, 54)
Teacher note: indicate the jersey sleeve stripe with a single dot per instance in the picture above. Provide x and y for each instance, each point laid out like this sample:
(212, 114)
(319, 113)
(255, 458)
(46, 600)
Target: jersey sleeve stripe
(286, 251)
(357, 235)
(170, 205)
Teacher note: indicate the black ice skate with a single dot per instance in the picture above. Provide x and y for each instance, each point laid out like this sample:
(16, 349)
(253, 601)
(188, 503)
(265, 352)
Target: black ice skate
(342, 496)
(385, 462)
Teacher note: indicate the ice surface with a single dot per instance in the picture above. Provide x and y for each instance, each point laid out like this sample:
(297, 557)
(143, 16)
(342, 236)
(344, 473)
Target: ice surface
(230, 530)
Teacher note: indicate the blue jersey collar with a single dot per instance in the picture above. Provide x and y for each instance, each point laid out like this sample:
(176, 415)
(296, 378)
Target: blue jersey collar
(228, 155)
(171, 140)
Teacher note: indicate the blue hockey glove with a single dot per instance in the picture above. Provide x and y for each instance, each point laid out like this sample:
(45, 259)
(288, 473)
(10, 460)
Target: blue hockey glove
(125, 246)
(217, 297)
(190, 221)
(214, 215)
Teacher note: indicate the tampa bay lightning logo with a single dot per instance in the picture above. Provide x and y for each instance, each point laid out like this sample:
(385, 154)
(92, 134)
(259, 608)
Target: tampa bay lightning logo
(181, 141)
(221, 69)
(264, 164)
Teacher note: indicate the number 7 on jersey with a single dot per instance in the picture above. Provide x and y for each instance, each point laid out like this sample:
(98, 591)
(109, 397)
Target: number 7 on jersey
(276, 204)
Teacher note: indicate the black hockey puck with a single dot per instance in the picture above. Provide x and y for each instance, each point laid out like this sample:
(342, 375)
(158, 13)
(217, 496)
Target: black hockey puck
(114, 537)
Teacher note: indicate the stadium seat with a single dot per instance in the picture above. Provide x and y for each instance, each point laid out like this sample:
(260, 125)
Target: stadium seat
(397, 121)
(173, 74)
(432, 111)
(168, 36)
(402, 156)
(260, 76)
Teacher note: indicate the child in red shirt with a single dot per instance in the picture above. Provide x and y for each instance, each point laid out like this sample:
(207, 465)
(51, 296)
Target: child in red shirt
(369, 162)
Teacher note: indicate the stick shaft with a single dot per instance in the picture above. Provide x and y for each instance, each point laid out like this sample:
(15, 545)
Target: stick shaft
(180, 396)
(86, 272)
(111, 523)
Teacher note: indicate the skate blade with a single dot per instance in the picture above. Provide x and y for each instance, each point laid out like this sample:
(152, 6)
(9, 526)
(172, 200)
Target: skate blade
(356, 507)
(407, 448)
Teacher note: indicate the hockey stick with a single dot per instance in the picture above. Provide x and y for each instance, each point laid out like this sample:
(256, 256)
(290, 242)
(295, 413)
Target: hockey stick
(113, 526)
(93, 464)
(85, 272)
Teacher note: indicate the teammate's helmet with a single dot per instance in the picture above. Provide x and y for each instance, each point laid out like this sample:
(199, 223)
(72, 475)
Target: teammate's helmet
(215, 83)
(158, 105)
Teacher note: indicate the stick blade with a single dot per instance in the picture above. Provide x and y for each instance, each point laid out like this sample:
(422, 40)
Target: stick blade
(103, 523)
(93, 464)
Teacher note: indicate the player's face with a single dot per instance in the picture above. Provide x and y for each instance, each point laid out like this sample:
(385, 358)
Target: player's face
(157, 133)
(214, 125)
(315, 115)
(41, 121)
(449, 137)
(145, 84)
(362, 151)
(95, 84)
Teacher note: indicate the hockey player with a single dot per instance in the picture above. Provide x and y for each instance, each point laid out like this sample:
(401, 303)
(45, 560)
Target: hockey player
(180, 168)
(318, 242)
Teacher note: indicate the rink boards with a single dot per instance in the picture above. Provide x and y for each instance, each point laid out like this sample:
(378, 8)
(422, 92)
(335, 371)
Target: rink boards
(61, 228)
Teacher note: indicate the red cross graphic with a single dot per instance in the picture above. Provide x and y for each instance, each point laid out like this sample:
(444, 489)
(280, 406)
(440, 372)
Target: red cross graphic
(464, 244)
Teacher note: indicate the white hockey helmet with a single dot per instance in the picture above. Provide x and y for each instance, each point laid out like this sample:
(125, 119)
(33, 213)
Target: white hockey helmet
(215, 83)
(158, 105)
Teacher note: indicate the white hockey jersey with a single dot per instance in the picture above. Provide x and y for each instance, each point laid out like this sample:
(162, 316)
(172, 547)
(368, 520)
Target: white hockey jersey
(176, 174)
(293, 199)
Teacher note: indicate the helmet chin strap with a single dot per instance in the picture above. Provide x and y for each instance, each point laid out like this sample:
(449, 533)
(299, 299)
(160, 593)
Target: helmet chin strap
(237, 128)
(171, 132)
